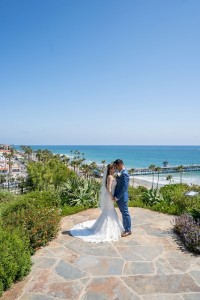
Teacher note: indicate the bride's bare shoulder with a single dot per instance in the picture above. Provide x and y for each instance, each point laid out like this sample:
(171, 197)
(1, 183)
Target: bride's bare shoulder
(110, 177)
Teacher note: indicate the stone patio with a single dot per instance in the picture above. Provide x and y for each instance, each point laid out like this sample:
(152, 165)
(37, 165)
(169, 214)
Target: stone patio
(148, 265)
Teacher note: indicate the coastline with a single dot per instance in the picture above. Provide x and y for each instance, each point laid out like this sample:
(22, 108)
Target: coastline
(133, 156)
(146, 180)
(139, 157)
(136, 182)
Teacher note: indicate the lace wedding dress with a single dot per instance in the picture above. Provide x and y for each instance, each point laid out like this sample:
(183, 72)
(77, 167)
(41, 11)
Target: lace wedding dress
(106, 228)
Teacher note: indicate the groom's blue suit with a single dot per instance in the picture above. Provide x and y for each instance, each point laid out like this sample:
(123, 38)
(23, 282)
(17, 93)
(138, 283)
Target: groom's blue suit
(121, 194)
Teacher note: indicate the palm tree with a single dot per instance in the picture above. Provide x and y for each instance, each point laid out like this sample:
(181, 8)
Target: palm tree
(47, 155)
(65, 159)
(9, 156)
(93, 168)
(152, 168)
(22, 183)
(27, 150)
(158, 170)
(86, 170)
(103, 163)
(73, 164)
(169, 178)
(165, 163)
(71, 152)
(76, 159)
(180, 169)
(131, 172)
(2, 178)
(39, 154)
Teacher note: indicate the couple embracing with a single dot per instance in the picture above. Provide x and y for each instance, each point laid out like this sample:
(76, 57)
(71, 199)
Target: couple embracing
(108, 227)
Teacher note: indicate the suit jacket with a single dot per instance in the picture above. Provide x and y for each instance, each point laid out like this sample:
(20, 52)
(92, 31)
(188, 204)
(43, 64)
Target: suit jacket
(121, 190)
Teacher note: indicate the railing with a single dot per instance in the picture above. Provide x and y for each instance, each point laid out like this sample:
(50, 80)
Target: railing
(13, 190)
(165, 170)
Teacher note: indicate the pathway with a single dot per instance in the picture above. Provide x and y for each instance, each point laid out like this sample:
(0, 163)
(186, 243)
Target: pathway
(147, 265)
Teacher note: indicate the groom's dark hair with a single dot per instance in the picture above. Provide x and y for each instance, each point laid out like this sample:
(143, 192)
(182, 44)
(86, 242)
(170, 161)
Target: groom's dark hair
(118, 162)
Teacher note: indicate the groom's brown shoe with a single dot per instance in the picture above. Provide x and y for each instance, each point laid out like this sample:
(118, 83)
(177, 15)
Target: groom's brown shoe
(124, 234)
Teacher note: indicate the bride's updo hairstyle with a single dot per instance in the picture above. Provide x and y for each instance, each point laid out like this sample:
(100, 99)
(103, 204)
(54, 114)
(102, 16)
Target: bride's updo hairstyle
(109, 167)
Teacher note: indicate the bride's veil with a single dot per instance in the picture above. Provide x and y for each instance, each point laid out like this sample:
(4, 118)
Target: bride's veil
(103, 191)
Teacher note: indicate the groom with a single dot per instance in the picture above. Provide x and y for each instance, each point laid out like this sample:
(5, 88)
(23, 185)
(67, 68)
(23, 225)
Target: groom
(121, 195)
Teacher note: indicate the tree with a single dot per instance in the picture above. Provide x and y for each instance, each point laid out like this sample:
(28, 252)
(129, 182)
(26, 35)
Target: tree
(9, 156)
(39, 154)
(83, 155)
(152, 168)
(86, 170)
(180, 169)
(22, 183)
(77, 159)
(71, 154)
(158, 170)
(89, 169)
(45, 155)
(169, 178)
(65, 159)
(103, 166)
(73, 164)
(165, 163)
(2, 178)
(131, 172)
(28, 151)
(49, 173)
(103, 162)
(93, 166)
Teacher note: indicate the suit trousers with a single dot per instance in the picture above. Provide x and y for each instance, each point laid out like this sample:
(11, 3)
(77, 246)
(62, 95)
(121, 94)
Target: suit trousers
(123, 207)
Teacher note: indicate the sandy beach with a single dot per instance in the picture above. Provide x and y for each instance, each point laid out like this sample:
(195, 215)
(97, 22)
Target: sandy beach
(135, 182)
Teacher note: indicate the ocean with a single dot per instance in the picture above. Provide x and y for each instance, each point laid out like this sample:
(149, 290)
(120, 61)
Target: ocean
(137, 156)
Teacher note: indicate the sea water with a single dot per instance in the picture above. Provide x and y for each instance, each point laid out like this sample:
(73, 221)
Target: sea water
(137, 157)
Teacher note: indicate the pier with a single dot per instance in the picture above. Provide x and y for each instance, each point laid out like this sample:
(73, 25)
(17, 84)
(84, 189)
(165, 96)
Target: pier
(167, 170)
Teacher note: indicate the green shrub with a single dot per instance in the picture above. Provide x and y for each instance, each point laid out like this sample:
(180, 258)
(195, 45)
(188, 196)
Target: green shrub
(195, 187)
(135, 196)
(33, 200)
(15, 259)
(47, 174)
(173, 191)
(176, 194)
(137, 203)
(49, 198)
(16, 206)
(70, 210)
(195, 212)
(40, 224)
(80, 192)
(6, 197)
(164, 207)
(1, 287)
(169, 199)
(136, 193)
(152, 197)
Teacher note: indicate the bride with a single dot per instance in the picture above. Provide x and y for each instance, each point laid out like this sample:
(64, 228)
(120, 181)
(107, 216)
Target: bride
(107, 227)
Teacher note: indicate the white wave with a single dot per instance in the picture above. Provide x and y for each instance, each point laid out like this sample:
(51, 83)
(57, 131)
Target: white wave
(194, 179)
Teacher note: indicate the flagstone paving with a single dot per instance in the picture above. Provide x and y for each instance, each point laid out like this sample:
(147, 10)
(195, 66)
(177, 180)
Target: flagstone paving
(148, 265)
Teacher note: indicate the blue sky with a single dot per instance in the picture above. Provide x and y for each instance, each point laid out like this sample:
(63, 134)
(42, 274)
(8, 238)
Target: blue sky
(100, 72)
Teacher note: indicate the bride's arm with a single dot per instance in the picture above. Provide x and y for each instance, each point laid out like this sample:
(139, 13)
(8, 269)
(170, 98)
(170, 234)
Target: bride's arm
(109, 185)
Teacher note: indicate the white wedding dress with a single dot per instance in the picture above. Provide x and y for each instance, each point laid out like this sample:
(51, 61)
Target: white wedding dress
(106, 228)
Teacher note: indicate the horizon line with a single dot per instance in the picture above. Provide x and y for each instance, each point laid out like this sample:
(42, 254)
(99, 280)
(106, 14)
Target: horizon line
(136, 145)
